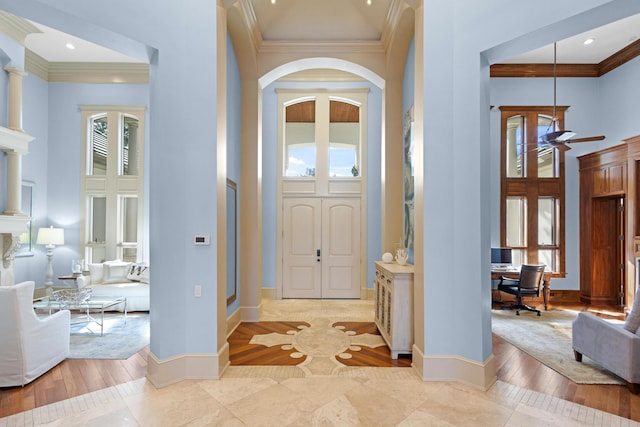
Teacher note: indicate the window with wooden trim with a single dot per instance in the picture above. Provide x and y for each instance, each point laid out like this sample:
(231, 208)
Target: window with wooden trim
(532, 199)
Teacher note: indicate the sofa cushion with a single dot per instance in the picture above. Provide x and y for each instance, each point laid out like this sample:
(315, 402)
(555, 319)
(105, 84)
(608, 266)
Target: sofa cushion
(115, 271)
(96, 272)
(632, 324)
(138, 273)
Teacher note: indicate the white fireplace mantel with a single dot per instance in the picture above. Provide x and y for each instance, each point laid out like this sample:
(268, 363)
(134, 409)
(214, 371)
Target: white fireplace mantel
(13, 223)
(14, 140)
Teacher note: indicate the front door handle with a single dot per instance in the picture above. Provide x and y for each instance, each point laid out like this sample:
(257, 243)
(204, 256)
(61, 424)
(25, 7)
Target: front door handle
(318, 254)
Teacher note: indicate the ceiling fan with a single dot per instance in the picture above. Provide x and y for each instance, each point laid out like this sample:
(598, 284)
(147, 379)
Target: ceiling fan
(560, 138)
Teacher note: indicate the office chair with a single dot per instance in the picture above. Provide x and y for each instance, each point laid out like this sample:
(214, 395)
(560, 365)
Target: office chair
(527, 285)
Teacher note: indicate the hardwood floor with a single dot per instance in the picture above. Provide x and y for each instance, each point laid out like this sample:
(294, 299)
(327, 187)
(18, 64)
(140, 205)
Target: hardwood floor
(71, 378)
(75, 377)
(241, 352)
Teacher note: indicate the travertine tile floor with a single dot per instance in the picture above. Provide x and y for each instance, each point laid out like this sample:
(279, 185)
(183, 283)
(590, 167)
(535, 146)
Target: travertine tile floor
(288, 396)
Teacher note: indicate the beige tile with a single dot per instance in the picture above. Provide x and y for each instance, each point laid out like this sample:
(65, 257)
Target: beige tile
(424, 419)
(460, 406)
(229, 390)
(412, 392)
(376, 409)
(338, 412)
(273, 406)
(185, 403)
(320, 390)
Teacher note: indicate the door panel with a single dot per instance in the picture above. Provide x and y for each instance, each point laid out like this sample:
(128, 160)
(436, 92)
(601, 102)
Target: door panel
(605, 258)
(331, 226)
(301, 239)
(341, 248)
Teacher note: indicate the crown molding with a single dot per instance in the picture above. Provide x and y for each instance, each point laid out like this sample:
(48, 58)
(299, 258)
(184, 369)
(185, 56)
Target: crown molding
(249, 15)
(619, 58)
(320, 75)
(36, 65)
(86, 72)
(544, 70)
(393, 18)
(622, 56)
(17, 28)
(321, 47)
(105, 72)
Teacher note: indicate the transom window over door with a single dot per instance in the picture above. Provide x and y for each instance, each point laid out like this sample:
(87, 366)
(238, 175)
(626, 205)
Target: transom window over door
(112, 182)
(322, 137)
(532, 187)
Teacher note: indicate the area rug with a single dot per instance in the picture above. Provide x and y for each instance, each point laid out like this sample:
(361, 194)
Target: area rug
(120, 339)
(547, 338)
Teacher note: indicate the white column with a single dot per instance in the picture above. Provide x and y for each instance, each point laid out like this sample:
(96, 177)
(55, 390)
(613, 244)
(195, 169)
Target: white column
(14, 159)
(15, 97)
(14, 183)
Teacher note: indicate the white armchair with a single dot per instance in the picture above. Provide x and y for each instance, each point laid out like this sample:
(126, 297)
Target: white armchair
(30, 346)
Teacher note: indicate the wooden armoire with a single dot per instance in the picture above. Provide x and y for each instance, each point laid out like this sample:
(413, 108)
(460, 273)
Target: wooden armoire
(610, 224)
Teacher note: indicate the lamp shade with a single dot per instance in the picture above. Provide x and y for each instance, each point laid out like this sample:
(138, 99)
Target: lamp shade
(50, 236)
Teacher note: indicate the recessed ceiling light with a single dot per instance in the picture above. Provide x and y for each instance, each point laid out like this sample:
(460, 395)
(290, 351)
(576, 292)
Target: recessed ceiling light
(273, 1)
(369, 2)
(70, 46)
(588, 41)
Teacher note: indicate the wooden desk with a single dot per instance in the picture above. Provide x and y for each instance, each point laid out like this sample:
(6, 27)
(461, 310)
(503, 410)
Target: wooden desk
(514, 274)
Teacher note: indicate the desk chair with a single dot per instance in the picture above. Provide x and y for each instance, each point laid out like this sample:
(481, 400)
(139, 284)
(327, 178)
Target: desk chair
(527, 285)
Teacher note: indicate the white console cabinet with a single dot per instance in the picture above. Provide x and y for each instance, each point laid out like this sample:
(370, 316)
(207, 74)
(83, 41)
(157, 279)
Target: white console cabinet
(393, 293)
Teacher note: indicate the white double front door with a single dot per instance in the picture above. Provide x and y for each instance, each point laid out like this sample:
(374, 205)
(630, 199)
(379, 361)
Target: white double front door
(321, 248)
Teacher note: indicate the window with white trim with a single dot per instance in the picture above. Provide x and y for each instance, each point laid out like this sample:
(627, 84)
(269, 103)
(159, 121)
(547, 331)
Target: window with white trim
(112, 182)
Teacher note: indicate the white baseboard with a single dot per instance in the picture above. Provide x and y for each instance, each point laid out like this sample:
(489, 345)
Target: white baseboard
(268, 293)
(233, 321)
(455, 368)
(366, 293)
(162, 373)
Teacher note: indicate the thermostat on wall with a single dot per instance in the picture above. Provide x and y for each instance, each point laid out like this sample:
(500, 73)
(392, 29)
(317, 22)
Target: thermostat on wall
(201, 239)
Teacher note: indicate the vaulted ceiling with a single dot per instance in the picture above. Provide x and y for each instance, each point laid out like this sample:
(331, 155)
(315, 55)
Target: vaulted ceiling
(357, 20)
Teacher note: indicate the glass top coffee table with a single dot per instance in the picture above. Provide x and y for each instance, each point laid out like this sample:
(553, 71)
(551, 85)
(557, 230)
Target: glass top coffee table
(93, 305)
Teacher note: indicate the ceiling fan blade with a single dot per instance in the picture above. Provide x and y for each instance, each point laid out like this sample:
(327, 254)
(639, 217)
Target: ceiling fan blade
(587, 139)
(562, 147)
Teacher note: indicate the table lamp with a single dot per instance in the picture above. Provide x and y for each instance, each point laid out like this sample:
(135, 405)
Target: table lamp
(50, 237)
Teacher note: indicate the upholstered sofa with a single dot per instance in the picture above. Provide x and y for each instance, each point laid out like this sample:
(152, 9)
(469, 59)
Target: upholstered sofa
(29, 346)
(118, 278)
(615, 347)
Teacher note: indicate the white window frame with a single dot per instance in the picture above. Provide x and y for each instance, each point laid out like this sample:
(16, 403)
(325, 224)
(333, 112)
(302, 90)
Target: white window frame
(113, 185)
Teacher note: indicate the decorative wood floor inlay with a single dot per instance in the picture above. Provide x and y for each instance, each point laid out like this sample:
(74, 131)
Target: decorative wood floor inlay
(319, 346)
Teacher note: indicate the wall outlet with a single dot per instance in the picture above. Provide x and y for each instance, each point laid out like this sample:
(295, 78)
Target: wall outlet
(197, 291)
